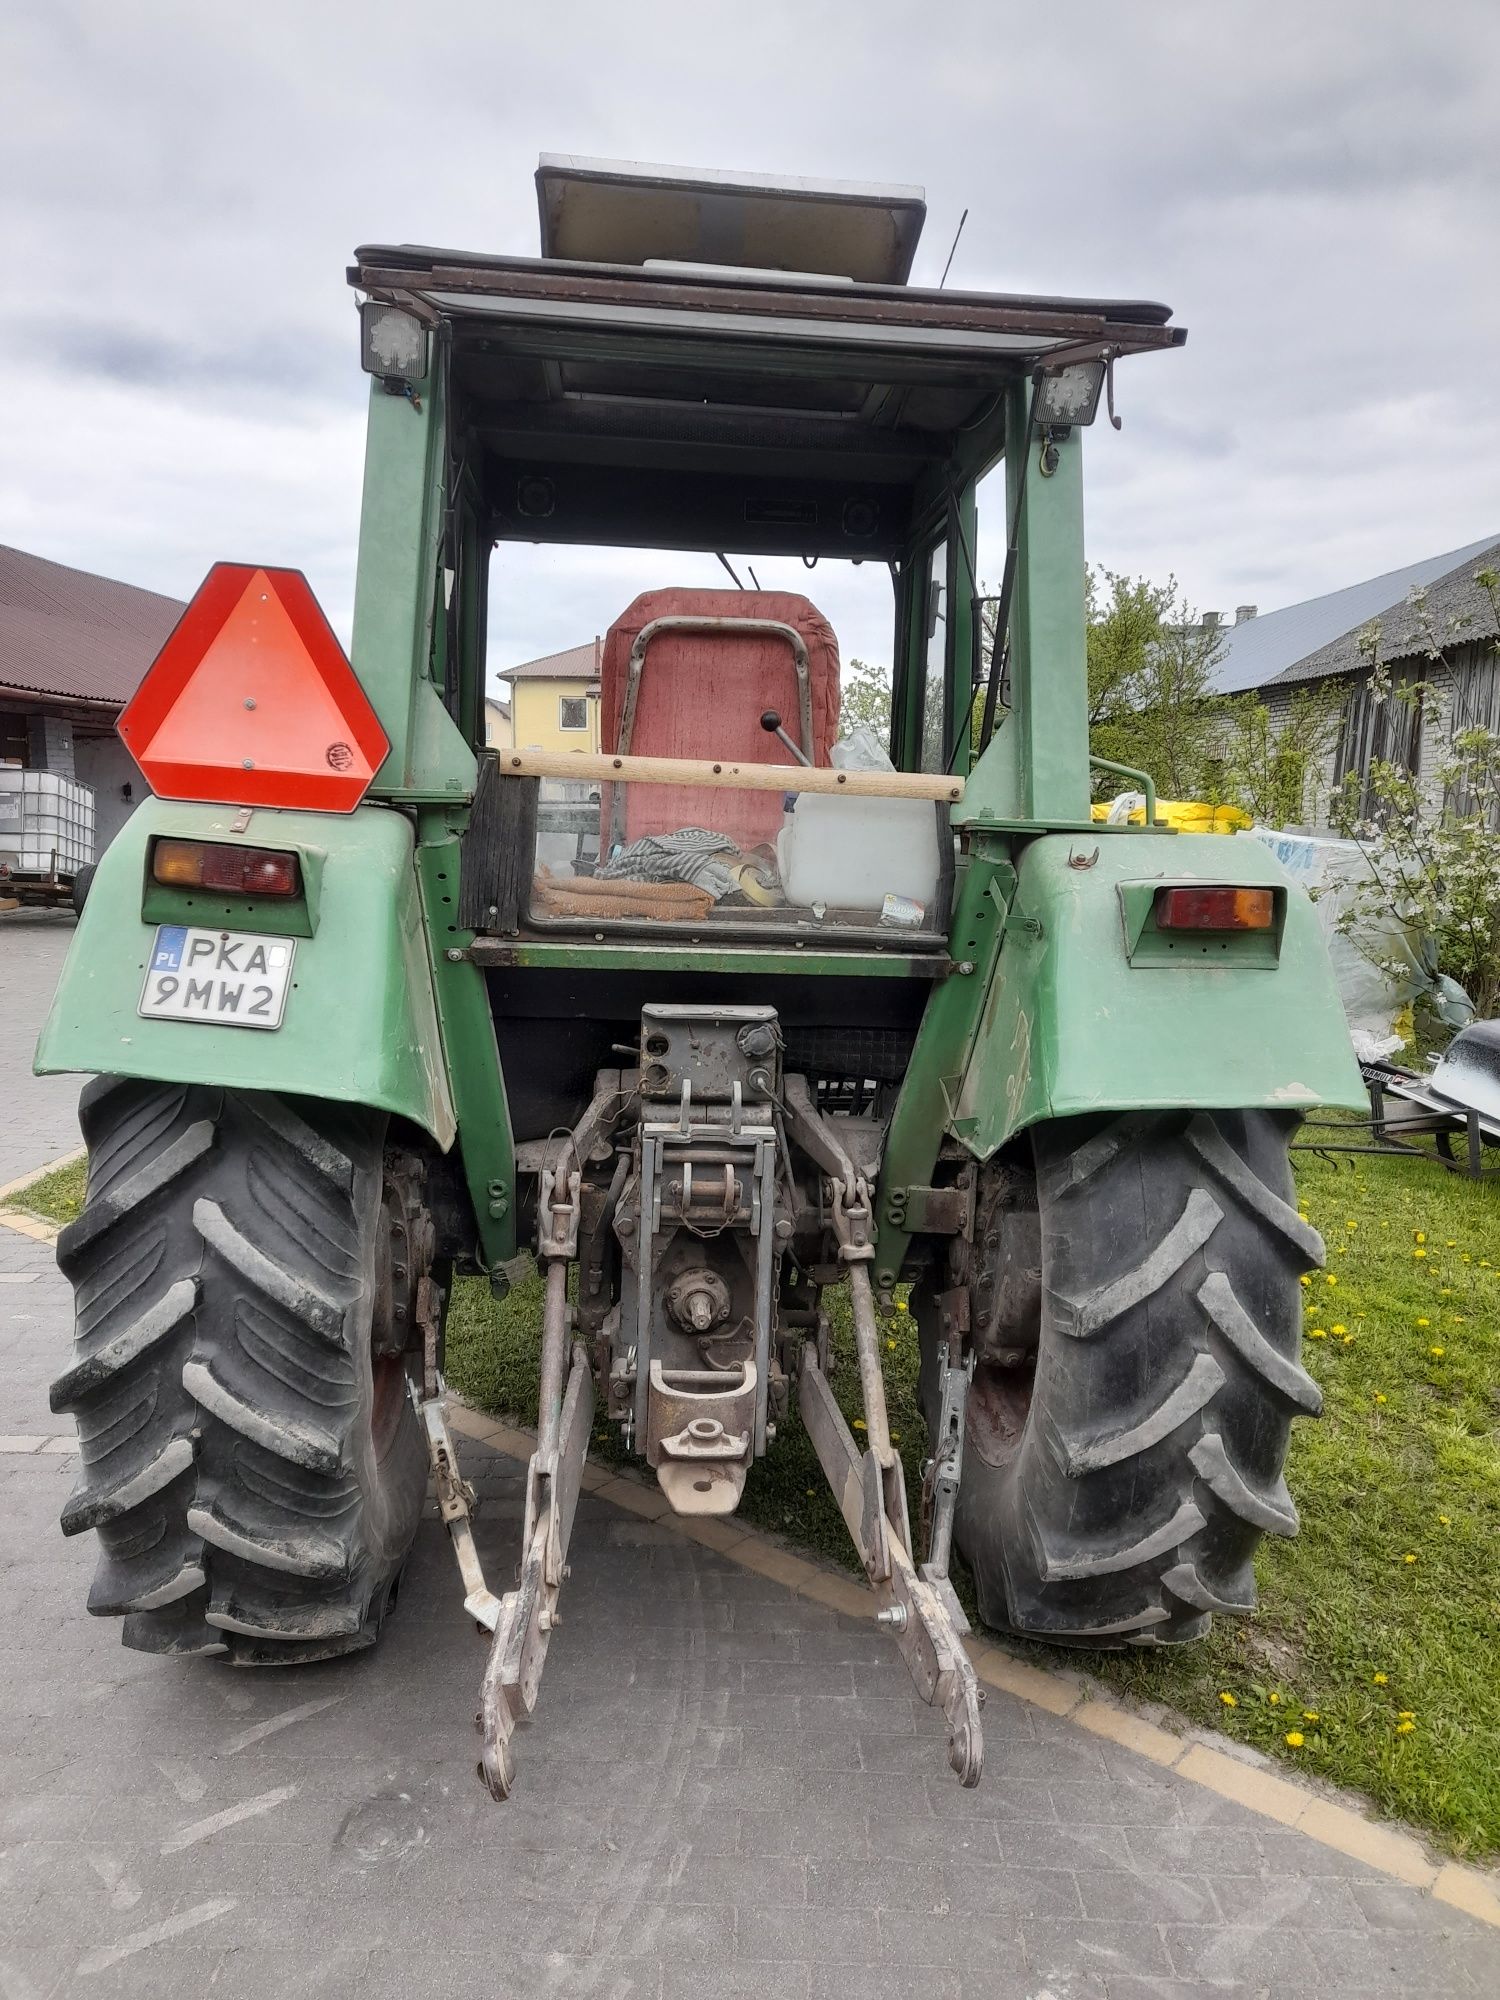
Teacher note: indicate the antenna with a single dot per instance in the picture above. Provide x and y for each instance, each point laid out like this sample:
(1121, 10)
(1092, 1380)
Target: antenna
(753, 577)
(952, 247)
(730, 567)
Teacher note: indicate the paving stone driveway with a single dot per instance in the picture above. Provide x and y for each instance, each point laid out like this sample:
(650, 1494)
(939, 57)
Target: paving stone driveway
(727, 1790)
(38, 1114)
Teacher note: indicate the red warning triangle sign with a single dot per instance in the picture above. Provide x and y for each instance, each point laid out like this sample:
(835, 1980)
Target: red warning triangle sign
(252, 702)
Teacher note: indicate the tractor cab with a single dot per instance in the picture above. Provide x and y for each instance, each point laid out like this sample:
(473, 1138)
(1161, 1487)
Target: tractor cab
(736, 368)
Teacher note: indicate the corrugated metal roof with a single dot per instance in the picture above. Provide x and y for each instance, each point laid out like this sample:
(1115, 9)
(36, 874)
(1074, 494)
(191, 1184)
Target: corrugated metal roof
(1456, 611)
(574, 664)
(1263, 648)
(66, 632)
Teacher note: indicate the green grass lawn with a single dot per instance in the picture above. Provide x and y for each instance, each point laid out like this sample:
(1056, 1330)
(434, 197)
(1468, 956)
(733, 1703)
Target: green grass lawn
(56, 1197)
(1378, 1637)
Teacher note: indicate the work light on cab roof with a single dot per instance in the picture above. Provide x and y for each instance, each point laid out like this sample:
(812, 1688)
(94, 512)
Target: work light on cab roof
(252, 702)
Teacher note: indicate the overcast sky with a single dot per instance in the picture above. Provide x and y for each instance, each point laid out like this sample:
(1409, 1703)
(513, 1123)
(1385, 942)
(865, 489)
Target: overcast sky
(1313, 187)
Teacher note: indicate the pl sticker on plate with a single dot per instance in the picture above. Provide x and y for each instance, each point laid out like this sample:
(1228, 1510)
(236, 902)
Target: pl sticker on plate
(231, 979)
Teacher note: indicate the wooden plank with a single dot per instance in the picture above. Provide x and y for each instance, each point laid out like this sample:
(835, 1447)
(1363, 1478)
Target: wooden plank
(728, 777)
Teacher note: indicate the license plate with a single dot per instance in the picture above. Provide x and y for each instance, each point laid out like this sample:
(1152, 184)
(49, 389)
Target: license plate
(231, 979)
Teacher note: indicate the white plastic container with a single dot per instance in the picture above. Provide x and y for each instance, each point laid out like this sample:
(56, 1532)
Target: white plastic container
(46, 822)
(852, 852)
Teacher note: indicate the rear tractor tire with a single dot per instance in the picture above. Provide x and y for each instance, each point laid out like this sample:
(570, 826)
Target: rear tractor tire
(251, 1459)
(1116, 1484)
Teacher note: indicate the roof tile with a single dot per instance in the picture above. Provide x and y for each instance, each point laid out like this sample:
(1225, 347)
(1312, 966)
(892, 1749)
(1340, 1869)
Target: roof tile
(66, 632)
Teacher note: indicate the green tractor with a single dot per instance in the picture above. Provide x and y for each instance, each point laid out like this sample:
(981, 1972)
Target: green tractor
(712, 1012)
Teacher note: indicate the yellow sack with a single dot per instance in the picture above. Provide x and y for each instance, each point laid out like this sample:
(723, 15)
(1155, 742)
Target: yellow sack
(1187, 815)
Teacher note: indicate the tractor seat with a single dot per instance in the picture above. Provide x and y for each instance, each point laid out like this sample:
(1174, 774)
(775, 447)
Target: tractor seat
(689, 673)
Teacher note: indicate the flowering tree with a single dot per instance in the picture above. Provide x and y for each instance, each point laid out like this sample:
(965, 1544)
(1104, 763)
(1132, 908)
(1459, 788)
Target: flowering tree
(865, 698)
(1434, 850)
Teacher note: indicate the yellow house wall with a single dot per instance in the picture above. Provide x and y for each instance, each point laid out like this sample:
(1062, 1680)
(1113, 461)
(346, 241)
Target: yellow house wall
(535, 706)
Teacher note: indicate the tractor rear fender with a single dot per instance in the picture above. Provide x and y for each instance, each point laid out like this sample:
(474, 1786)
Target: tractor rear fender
(1092, 1008)
(362, 1020)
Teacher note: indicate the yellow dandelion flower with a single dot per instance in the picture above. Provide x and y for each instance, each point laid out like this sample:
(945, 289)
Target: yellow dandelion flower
(892, 1345)
(1337, 1327)
(1295, 1738)
(901, 1305)
(1451, 1244)
(1310, 1715)
(1273, 1698)
(1419, 1253)
(1437, 1353)
(1405, 1728)
(1408, 1558)
(1406, 1715)
(1330, 1277)
(1305, 1279)
(1419, 1236)
(859, 1423)
(1445, 1520)
(1229, 1700)
(895, 1437)
(1348, 1340)
(1424, 1322)
(1484, 1263)
(1380, 1679)
(1351, 1223)
(1317, 1333)
(1379, 1397)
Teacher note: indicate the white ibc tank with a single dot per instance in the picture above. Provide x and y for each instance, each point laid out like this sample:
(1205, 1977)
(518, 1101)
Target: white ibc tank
(853, 852)
(46, 822)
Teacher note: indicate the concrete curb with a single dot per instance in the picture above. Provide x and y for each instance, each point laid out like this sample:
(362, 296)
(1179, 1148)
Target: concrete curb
(1286, 1801)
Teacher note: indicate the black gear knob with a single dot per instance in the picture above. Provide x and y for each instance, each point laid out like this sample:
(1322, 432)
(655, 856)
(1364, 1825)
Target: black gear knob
(770, 721)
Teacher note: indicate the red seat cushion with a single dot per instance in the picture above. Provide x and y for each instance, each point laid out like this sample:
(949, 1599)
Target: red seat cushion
(702, 694)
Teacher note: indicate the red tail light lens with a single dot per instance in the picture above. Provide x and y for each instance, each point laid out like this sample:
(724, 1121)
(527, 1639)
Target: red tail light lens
(242, 871)
(1217, 909)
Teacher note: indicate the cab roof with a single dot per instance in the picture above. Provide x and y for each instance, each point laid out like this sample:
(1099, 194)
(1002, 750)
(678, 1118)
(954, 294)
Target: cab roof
(705, 405)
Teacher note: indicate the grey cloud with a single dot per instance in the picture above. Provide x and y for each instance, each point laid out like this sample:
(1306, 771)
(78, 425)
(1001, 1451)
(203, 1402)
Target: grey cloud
(1311, 187)
(273, 363)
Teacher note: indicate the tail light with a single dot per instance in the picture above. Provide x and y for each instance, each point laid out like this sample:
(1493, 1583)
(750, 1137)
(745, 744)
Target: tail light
(1216, 909)
(242, 871)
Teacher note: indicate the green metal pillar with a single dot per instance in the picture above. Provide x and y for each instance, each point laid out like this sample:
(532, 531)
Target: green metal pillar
(397, 588)
(469, 1052)
(1037, 767)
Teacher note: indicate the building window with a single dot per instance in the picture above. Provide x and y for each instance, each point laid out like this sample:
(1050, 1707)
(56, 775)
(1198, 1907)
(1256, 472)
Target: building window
(573, 711)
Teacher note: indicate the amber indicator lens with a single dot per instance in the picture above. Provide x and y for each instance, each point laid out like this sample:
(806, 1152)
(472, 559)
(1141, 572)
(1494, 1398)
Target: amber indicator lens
(243, 871)
(1214, 909)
